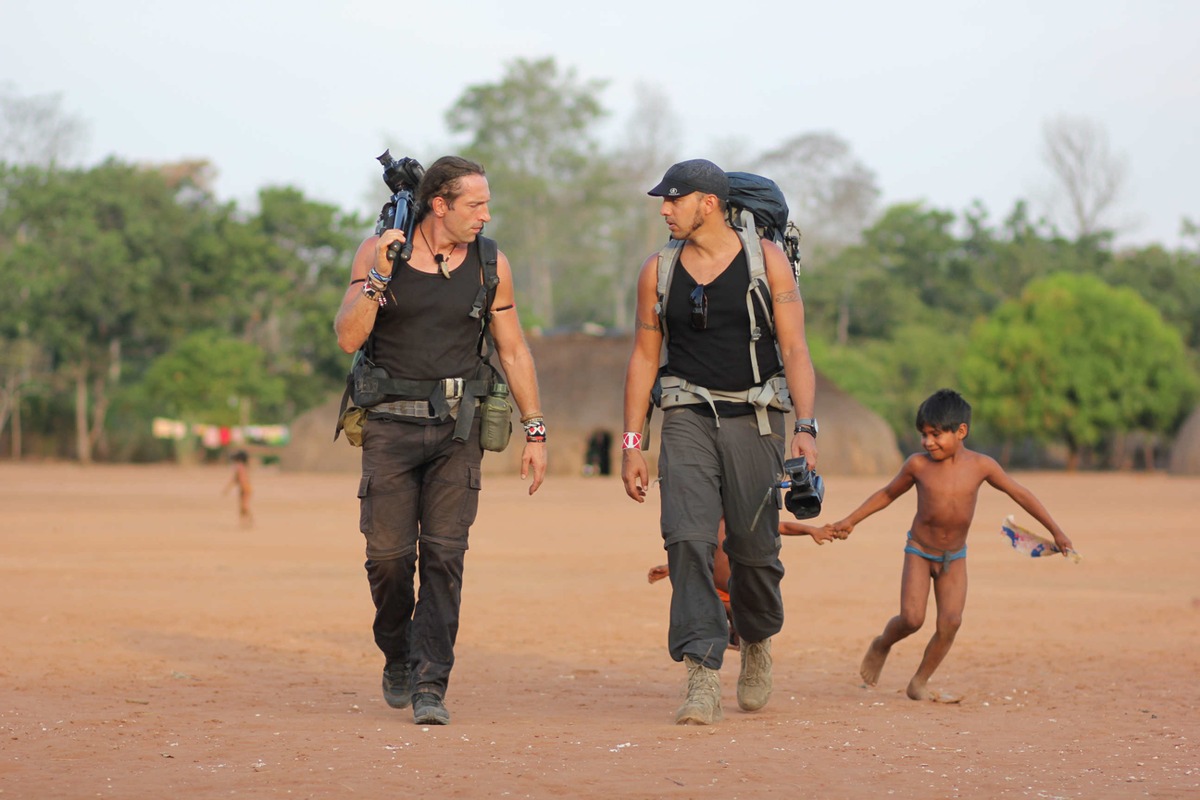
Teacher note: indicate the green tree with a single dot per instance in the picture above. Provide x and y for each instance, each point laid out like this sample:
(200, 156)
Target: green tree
(212, 378)
(535, 133)
(1170, 281)
(892, 376)
(1076, 361)
(308, 249)
(92, 250)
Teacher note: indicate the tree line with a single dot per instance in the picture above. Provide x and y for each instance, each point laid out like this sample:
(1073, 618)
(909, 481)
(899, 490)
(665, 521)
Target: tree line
(131, 291)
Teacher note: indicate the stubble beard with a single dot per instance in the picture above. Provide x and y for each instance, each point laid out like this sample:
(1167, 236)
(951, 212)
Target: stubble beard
(697, 221)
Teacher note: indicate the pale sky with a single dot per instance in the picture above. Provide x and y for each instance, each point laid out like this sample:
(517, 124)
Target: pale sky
(944, 100)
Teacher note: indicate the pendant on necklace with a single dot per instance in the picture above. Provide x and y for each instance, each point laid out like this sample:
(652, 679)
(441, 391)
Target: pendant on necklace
(442, 265)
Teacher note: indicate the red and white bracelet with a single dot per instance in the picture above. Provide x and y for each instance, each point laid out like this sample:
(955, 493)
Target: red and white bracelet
(535, 429)
(631, 440)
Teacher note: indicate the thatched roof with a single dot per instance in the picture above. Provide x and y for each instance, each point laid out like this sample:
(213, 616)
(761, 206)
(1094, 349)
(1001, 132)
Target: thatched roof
(581, 379)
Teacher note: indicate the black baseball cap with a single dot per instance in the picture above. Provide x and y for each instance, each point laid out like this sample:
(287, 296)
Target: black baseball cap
(697, 175)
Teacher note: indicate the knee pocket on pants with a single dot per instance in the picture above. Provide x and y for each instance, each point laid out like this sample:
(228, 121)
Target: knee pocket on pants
(387, 515)
(387, 503)
(470, 505)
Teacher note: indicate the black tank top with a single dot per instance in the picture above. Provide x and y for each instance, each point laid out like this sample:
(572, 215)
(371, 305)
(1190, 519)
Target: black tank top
(425, 331)
(717, 357)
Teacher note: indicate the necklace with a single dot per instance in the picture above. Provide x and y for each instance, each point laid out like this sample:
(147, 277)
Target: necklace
(443, 261)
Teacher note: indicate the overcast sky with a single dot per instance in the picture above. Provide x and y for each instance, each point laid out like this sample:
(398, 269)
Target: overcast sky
(945, 101)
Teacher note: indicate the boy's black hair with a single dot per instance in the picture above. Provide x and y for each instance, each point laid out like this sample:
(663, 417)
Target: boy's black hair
(944, 410)
(240, 455)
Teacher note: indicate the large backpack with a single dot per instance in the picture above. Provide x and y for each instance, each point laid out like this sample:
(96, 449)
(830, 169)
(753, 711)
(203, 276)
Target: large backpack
(764, 200)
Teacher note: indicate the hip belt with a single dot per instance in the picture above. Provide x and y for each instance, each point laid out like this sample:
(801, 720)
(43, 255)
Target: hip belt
(420, 409)
(445, 399)
(671, 391)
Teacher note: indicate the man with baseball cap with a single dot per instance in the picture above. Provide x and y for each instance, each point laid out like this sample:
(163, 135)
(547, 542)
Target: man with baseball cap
(724, 387)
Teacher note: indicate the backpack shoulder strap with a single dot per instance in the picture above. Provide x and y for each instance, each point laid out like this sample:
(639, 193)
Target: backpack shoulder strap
(759, 292)
(489, 279)
(488, 254)
(668, 257)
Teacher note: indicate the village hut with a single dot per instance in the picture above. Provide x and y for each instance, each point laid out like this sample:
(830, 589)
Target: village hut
(581, 379)
(1185, 452)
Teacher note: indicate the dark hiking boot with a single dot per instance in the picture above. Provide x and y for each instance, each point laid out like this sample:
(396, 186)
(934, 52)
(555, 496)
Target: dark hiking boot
(428, 709)
(397, 685)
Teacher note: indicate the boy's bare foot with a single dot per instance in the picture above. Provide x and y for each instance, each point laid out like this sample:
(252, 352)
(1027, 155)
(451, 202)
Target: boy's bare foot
(872, 663)
(919, 691)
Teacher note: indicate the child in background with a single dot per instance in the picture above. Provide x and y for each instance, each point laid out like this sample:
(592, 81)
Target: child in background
(241, 479)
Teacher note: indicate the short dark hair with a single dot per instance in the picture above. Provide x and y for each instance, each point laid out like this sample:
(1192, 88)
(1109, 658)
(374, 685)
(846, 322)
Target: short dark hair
(444, 179)
(944, 410)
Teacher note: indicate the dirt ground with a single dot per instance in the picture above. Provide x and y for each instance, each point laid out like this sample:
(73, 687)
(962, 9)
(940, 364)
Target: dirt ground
(150, 647)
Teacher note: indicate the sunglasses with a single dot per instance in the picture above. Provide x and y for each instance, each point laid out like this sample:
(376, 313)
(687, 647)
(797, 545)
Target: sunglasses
(699, 308)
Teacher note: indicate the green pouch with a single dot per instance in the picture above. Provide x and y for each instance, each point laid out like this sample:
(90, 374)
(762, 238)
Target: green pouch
(353, 419)
(495, 421)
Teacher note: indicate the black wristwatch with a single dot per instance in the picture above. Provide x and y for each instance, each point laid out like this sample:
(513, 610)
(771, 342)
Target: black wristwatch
(807, 425)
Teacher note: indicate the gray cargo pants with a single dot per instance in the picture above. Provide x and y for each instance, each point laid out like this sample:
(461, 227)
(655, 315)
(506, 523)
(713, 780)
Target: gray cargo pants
(707, 472)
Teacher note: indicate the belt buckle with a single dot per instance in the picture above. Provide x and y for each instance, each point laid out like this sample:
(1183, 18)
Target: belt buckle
(452, 388)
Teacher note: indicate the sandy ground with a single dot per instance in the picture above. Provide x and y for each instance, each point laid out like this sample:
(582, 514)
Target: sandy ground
(150, 647)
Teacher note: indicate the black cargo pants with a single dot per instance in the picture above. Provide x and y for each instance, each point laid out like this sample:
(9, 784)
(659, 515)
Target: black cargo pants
(419, 495)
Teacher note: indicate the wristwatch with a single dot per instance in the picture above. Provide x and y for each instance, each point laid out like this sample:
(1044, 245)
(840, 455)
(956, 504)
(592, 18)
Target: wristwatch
(807, 425)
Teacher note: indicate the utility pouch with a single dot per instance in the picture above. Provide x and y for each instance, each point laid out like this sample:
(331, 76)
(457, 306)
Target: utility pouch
(365, 388)
(352, 421)
(495, 421)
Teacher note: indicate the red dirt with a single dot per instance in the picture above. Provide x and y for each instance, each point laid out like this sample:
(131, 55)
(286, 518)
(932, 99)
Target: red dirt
(153, 648)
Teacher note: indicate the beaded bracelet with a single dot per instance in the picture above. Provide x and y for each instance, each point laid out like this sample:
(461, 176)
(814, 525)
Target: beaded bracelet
(377, 278)
(375, 293)
(535, 429)
(631, 440)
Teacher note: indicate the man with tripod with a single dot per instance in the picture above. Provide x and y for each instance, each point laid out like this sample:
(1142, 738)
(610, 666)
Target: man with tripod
(426, 323)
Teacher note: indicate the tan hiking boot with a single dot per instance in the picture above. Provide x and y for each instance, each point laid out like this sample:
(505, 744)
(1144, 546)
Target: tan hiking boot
(703, 703)
(754, 681)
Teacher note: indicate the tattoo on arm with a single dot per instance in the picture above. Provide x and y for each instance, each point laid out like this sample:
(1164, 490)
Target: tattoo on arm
(790, 296)
(647, 327)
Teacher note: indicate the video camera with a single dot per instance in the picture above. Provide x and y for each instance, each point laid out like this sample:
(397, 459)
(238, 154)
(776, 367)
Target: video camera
(801, 490)
(402, 177)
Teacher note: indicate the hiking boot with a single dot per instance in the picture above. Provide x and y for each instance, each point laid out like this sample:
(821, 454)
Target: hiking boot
(397, 685)
(754, 681)
(428, 709)
(703, 703)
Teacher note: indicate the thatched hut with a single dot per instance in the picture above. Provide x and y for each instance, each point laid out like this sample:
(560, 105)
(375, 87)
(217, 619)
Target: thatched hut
(581, 379)
(1185, 453)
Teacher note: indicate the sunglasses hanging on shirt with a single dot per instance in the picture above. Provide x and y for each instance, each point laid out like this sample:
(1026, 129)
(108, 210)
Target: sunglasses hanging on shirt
(699, 308)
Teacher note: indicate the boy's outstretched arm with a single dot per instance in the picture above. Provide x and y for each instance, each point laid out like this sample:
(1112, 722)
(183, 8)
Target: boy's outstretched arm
(878, 501)
(999, 479)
